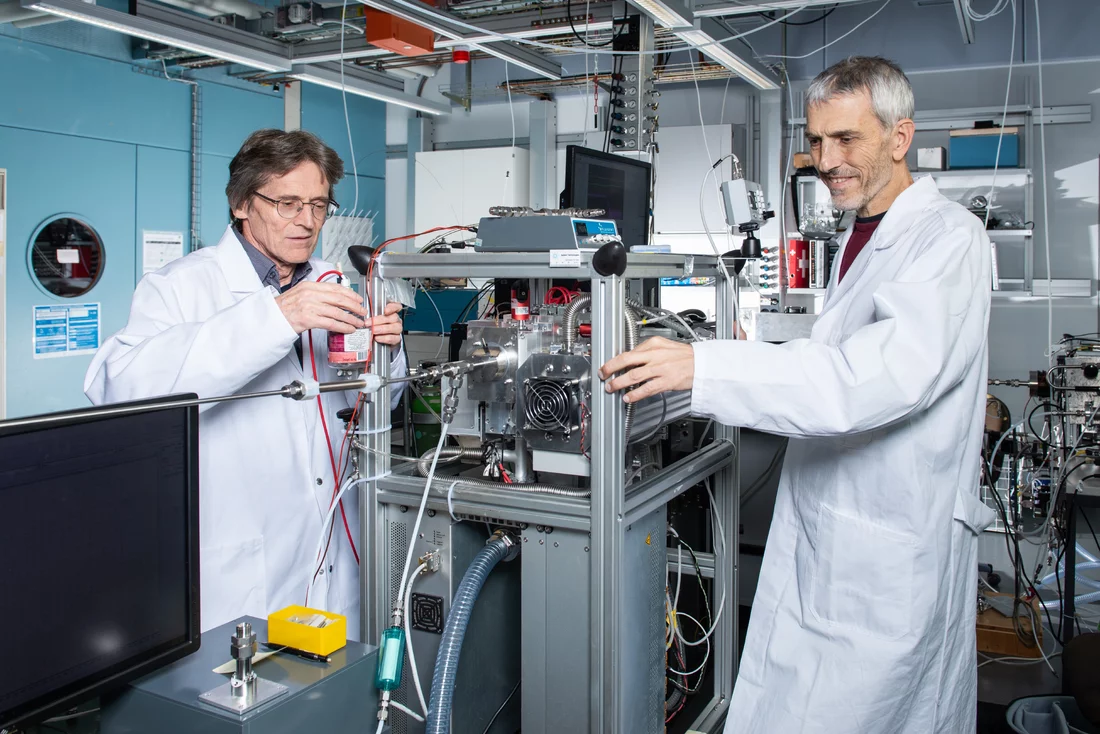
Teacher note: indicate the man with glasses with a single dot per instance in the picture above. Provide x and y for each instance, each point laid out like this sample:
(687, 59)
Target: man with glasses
(250, 315)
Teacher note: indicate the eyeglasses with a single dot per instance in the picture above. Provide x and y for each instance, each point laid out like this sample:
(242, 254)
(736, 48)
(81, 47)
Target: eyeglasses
(290, 208)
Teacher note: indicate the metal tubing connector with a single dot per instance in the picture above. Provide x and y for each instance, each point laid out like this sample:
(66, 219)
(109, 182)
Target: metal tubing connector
(242, 647)
(508, 539)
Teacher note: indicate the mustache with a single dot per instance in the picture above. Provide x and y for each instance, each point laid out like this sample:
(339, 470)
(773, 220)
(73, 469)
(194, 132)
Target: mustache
(838, 173)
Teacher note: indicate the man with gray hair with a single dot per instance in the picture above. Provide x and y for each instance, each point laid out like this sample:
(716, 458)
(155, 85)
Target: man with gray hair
(248, 315)
(864, 616)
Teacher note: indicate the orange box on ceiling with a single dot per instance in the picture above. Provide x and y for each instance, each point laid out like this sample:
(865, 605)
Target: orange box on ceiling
(398, 35)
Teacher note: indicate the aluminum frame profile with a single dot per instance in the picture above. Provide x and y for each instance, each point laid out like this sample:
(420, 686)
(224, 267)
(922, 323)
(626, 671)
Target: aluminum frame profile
(605, 516)
(536, 24)
(966, 25)
(446, 25)
(317, 52)
(733, 7)
(704, 36)
(227, 44)
(366, 83)
(667, 13)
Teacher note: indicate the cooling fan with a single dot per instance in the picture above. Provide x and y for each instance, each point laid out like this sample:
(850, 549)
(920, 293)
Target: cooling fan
(550, 405)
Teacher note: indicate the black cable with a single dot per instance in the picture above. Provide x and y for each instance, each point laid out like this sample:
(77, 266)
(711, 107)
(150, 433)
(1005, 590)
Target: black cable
(805, 22)
(493, 720)
(684, 688)
(614, 36)
(1035, 433)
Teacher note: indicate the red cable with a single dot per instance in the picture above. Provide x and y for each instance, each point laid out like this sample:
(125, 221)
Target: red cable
(328, 273)
(331, 456)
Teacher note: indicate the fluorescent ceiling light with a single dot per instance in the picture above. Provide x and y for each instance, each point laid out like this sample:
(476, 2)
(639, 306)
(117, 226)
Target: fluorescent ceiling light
(669, 13)
(704, 36)
(158, 32)
(367, 84)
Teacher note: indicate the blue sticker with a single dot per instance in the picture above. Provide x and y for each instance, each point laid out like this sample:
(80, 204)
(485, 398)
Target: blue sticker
(66, 330)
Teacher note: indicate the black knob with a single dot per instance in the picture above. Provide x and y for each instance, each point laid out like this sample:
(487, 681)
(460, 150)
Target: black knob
(617, 116)
(345, 414)
(360, 256)
(610, 259)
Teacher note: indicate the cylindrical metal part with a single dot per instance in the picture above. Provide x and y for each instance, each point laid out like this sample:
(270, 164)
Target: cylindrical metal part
(522, 463)
(242, 648)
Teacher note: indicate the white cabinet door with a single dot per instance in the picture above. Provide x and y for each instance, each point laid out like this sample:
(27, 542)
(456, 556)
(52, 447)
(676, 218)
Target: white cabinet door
(686, 156)
(459, 186)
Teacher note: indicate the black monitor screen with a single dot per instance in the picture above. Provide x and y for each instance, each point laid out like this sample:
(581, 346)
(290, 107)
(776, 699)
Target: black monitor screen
(618, 185)
(98, 554)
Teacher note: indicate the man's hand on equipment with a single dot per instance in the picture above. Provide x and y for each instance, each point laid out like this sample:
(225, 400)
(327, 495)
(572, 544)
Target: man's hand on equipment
(387, 328)
(311, 305)
(658, 365)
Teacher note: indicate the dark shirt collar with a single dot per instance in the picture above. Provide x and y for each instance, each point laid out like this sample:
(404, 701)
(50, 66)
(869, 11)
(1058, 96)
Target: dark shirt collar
(265, 268)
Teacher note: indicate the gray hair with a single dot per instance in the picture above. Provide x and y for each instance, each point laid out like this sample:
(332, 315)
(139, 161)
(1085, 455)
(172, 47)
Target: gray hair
(882, 80)
(270, 153)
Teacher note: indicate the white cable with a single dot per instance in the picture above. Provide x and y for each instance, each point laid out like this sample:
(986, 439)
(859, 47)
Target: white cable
(450, 501)
(997, 9)
(381, 723)
(409, 646)
(497, 36)
(1043, 168)
(1004, 114)
(830, 43)
(407, 711)
(347, 120)
(329, 517)
(706, 656)
(420, 512)
(721, 537)
(442, 326)
(509, 178)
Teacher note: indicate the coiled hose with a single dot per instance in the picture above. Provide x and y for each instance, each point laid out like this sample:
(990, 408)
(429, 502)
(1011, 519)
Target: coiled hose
(425, 461)
(450, 646)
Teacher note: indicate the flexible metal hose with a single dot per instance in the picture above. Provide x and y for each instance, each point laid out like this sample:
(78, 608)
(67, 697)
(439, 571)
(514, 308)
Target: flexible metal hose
(450, 646)
(571, 327)
(530, 488)
(570, 323)
(446, 455)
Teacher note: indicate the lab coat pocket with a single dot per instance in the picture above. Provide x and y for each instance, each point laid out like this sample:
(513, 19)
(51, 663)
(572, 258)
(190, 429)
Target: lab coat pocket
(234, 582)
(860, 575)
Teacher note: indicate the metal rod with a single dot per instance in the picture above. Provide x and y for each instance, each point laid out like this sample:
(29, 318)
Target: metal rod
(132, 409)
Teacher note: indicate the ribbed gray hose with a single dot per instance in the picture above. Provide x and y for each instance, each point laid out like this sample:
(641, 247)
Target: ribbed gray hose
(450, 647)
(424, 464)
(448, 454)
(572, 328)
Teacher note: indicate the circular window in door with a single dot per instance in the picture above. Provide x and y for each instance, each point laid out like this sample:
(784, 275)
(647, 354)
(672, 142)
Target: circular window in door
(66, 257)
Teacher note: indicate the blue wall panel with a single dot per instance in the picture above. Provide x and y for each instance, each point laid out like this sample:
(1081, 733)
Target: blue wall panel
(55, 90)
(229, 115)
(323, 114)
(84, 130)
(163, 196)
(49, 174)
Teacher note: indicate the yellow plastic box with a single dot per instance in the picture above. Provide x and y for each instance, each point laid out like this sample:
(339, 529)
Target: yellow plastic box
(318, 640)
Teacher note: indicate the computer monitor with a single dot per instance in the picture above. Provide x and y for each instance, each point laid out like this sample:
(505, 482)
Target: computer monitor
(614, 183)
(99, 553)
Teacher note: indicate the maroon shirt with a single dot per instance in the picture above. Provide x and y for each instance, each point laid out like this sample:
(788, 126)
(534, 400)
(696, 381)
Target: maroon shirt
(861, 233)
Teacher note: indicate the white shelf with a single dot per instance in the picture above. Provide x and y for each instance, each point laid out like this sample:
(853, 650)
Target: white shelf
(805, 291)
(1007, 234)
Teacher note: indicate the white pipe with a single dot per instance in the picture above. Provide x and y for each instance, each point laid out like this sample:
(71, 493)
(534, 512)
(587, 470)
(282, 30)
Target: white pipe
(1077, 600)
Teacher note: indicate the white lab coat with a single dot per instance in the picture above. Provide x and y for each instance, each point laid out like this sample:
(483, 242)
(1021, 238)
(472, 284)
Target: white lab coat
(864, 615)
(205, 324)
